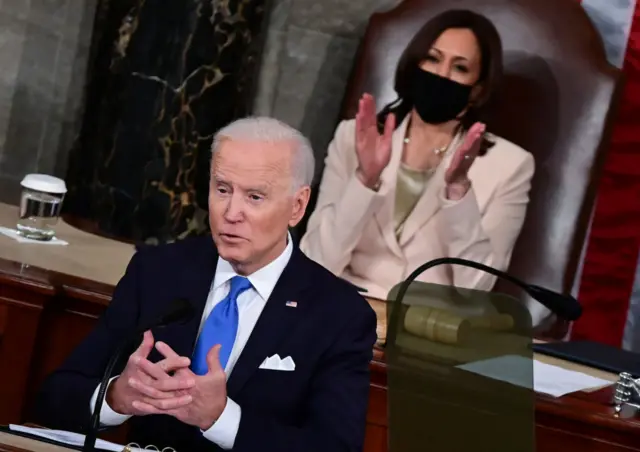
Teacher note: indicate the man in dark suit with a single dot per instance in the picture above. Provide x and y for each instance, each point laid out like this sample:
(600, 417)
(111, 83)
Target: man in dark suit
(277, 357)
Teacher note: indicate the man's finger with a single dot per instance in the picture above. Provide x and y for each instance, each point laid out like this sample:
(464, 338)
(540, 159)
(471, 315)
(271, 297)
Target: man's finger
(166, 351)
(169, 365)
(148, 404)
(146, 409)
(152, 370)
(164, 389)
(169, 385)
(146, 345)
(148, 391)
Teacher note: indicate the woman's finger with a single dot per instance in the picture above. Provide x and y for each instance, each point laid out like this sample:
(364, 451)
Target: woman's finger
(389, 127)
(370, 111)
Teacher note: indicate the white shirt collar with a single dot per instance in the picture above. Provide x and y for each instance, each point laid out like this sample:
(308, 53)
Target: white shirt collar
(263, 280)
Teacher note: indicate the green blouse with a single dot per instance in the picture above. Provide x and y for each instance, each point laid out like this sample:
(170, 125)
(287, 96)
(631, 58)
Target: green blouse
(409, 187)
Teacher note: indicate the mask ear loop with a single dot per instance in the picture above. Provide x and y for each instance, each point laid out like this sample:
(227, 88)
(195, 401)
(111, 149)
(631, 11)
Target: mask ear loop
(386, 110)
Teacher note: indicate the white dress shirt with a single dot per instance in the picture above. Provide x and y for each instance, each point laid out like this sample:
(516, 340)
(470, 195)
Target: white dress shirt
(250, 305)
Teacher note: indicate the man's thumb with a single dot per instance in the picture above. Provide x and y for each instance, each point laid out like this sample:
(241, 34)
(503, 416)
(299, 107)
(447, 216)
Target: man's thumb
(213, 358)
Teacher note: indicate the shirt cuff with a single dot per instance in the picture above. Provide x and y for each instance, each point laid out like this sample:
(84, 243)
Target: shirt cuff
(108, 417)
(223, 431)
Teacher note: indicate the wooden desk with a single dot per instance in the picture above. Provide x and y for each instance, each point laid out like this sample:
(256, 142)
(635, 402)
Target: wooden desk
(50, 296)
(56, 310)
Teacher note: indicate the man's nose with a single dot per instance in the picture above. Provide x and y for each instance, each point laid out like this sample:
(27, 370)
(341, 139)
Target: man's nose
(234, 210)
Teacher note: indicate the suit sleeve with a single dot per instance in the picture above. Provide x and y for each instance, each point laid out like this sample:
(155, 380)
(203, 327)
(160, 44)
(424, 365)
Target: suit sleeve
(488, 238)
(338, 399)
(344, 205)
(64, 399)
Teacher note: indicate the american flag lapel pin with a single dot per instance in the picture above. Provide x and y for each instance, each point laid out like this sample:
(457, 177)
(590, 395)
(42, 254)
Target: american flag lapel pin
(292, 304)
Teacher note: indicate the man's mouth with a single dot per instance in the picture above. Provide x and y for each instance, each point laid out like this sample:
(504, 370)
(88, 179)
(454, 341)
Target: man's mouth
(230, 238)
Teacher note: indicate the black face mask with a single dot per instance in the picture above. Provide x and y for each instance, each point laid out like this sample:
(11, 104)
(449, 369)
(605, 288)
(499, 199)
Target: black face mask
(438, 99)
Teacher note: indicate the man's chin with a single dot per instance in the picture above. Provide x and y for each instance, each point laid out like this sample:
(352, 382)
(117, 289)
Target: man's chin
(233, 254)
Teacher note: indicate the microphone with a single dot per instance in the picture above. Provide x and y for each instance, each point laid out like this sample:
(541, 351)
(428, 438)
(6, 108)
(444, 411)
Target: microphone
(180, 311)
(564, 306)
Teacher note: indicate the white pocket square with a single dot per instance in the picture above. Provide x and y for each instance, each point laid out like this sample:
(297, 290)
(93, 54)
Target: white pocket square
(276, 363)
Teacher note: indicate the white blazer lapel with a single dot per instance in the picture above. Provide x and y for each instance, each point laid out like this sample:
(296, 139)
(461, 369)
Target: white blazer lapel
(384, 216)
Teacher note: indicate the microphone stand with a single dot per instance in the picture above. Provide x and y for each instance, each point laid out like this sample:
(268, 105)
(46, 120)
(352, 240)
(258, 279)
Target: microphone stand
(538, 293)
(94, 426)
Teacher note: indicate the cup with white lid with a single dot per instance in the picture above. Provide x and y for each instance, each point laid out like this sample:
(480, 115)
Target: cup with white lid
(40, 206)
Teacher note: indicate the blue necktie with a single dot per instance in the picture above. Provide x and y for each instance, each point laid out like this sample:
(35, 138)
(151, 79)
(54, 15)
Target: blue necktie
(220, 328)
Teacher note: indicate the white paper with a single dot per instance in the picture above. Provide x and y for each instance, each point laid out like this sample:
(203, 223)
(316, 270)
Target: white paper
(556, 381)
(547, 379)
(17, 237)
(70, 438)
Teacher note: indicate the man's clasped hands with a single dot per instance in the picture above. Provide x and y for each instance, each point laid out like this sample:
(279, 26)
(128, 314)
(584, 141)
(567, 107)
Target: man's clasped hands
(169, 386)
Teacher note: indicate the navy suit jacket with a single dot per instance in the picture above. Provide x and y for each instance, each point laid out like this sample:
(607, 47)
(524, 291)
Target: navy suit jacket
(321, 406)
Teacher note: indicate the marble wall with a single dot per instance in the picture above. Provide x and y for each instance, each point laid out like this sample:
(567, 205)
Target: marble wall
(309, 55)
(164, 77)
(43, 54)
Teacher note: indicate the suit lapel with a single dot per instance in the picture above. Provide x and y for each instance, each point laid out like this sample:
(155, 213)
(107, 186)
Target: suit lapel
(275, 324)
(429, 203)
(195, 280)
(384, 215)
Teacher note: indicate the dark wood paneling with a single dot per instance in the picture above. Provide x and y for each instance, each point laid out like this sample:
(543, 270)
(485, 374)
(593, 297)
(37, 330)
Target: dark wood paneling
(3, 319)
(23, 295)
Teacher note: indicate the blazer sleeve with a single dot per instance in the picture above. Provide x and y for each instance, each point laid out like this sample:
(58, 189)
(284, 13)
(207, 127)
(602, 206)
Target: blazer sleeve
(64, 399)
(338, 398)
(488, 238)
(344, 205)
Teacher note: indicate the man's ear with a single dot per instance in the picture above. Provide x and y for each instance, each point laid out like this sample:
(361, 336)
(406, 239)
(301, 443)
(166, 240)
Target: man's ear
(300, 202)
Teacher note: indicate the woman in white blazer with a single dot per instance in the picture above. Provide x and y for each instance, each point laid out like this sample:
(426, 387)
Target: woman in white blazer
(422, 179)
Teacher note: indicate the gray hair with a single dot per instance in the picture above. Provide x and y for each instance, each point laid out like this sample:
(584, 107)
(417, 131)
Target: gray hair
(271, 130)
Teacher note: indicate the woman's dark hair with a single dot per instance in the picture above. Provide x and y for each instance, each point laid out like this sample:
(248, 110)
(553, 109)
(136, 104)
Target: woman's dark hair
(418, 50)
